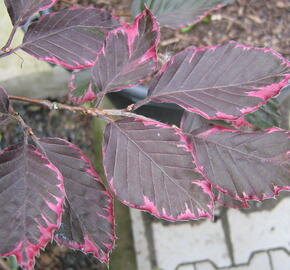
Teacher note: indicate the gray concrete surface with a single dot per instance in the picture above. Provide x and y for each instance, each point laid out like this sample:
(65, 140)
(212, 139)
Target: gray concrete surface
(238, 240)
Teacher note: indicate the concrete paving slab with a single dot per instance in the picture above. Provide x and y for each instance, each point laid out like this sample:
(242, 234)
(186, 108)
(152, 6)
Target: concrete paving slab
(280, 259)
(140, 240)
(261, 230)
(204, 266)
(186, 267)
(259, 261)
(239, 240)
(186, 242)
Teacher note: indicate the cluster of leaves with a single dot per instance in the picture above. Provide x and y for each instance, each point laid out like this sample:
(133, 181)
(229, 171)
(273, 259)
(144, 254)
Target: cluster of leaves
(175, 173)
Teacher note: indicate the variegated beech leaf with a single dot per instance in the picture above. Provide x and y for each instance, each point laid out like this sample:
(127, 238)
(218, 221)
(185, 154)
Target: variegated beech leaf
(245, 165)
(88, 222)
(82, 87)
(21, 10)
(71, 37)
(179, 13)
(195, 124)
(221, 82)
(31, 198)
(4, 106)
(128, 56)
(149, 166)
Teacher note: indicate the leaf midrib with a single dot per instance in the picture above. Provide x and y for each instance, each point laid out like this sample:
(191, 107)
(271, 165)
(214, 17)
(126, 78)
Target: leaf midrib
(215, 87)
(261, 159)
(158, 166)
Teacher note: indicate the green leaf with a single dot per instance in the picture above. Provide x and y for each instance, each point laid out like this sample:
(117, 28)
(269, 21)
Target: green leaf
(267, 116)
(178, 13)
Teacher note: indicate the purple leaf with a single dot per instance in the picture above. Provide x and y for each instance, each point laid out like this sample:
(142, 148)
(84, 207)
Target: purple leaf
(88, 222)
(222, 82)
(82, 87)
(71, 37)
(245, 165)
(149, 167)
(193, 122)
(21, 10)
(129, 55)
(179, 13)
(31, 198)
(228, 201)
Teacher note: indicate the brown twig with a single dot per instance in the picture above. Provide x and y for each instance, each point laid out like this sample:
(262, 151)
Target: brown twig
(125, 113)
(45, 103)
(170, 41)
(142, 102)
(28, 132)
(8, 51)
(67, 2)
(234, 21)
(123, 15)
(5, 48)
(102, 113)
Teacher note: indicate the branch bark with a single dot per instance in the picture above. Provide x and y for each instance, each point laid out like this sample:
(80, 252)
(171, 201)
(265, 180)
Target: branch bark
(106, 114)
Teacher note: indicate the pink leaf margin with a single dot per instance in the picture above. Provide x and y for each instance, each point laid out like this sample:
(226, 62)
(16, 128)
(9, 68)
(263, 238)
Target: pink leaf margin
(56, 61)
(243, 204)
(53, 2)
(263, 93)
(245, 197)
(89, 246)
(132, 33)
(46, 233)
(149, 206)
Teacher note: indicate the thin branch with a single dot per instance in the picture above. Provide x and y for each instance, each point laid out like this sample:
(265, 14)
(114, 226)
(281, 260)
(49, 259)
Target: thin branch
(142, 102)
(99, 101)
(106, 114)
(122, 15)
(67, 2)
(28, 132)
(10, 39)
(127, 114)
(45, 103)
(8, 51)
